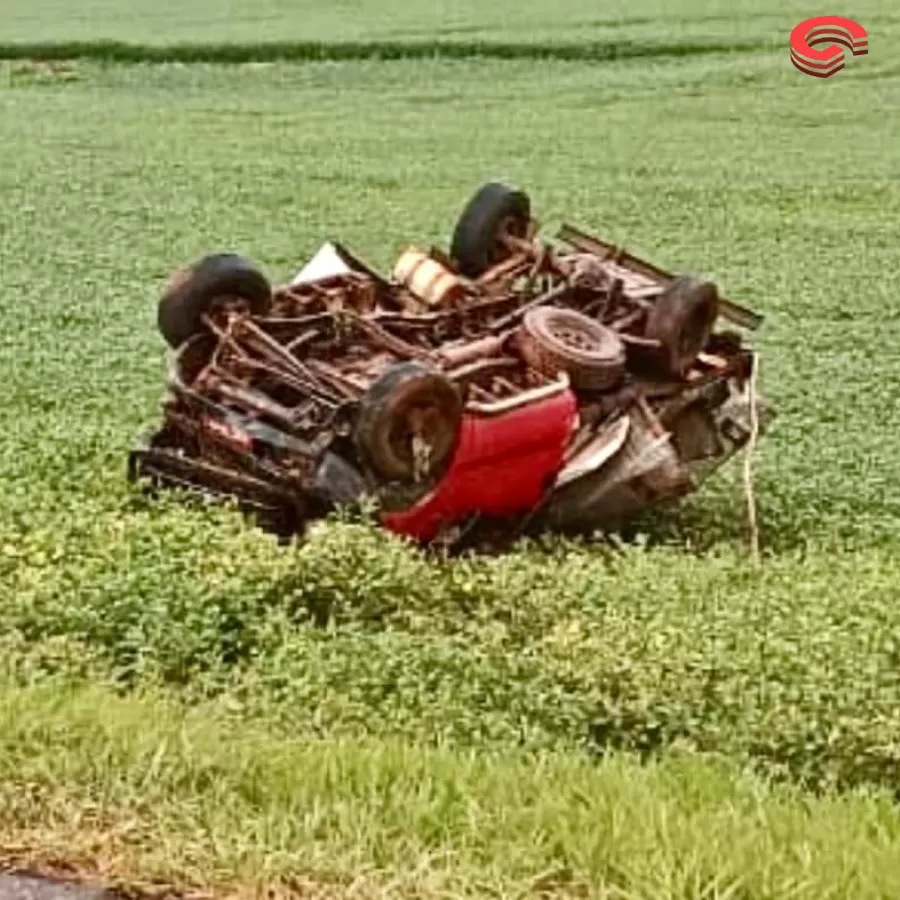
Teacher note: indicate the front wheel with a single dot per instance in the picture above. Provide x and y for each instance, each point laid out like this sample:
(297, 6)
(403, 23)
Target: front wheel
(494, 212)
(196, 290)
(682, 320)
(408, 422)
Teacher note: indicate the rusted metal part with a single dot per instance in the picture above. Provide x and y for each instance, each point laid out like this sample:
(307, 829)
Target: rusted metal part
(740, 315)
(297, 343)
(508, 269)
(457, 355)
(277, 356)
(352, 291)
(348, 387)
(628, 320)
(169, 465)
(311, 387)
(518, 314)
(643, 343)
(480, 367)
(537, 268)
(254, 401)
(523, 246)
(390, 341)
(295, 324)
(264, 405)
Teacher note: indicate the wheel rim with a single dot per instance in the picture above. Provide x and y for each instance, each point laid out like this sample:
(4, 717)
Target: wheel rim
(509, 227)
(228, 303)
(421, 434)
(575, 338)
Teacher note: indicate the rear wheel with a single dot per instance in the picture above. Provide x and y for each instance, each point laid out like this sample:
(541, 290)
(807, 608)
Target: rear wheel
(682, 320)
(553, 340)
(408, 422)
(495, 211)
(215, 281)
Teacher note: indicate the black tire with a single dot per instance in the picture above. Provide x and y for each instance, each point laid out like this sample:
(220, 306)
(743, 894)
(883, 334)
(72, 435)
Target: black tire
(384, 427)
(553, 340)
(682, 320)
(493, 210)
(193, 289)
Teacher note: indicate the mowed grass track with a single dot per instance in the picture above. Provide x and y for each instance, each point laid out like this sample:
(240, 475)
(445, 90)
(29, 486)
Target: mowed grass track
(250, 22)
(781, 187)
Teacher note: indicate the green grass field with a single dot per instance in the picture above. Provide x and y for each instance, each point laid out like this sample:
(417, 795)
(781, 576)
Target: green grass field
(146, 794)
(164, 22)
(167, 700)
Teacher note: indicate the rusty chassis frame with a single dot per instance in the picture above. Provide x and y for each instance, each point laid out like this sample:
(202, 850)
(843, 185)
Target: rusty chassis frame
(261, 407)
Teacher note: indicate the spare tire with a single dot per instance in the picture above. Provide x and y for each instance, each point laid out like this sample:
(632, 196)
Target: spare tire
(193, 290)
(406, 399)
(552, 340)
(493, 211)
(682, 320)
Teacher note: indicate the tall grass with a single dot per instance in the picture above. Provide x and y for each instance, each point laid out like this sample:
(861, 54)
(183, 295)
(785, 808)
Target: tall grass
(139, 790)
(499, 686)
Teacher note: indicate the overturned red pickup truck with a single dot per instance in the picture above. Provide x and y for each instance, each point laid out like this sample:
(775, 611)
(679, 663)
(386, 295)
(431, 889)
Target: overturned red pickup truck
(512, 384)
